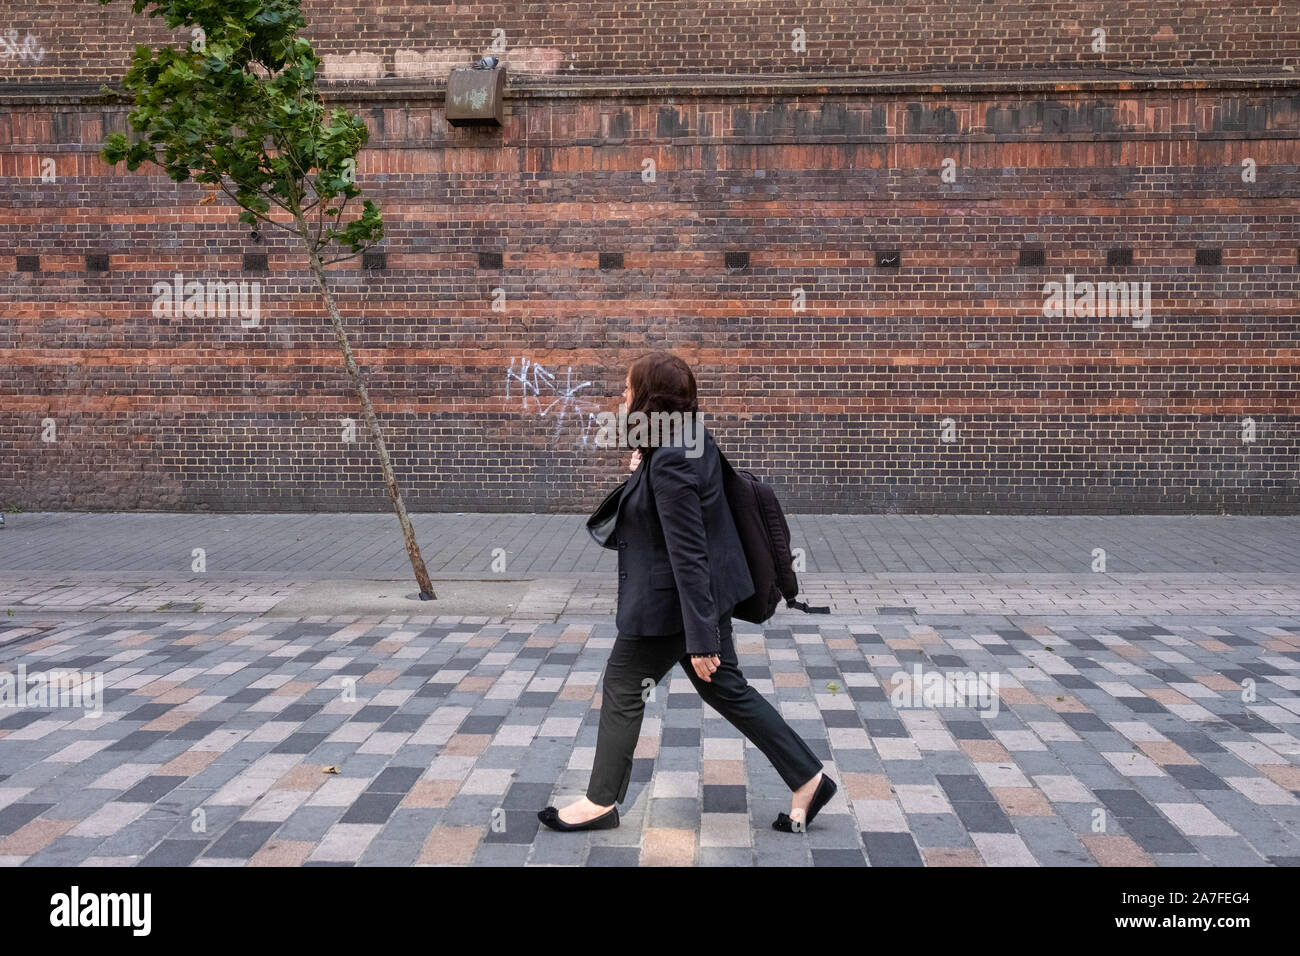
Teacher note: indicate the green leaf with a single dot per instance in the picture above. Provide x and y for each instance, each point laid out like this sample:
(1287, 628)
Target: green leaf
(244, 113)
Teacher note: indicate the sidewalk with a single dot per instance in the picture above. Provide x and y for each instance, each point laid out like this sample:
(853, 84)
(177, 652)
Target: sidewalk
(364, 545)
(546, 567)
(291, 706)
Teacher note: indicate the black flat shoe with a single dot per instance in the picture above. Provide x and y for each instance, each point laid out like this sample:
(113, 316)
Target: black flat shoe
(606, 821)
(825, 790)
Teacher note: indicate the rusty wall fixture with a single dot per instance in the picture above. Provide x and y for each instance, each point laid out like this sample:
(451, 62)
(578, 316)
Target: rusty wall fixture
(476, 97)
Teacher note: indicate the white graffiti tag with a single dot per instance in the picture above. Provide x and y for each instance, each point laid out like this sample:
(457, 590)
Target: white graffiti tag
(558, 399)
(26, 50)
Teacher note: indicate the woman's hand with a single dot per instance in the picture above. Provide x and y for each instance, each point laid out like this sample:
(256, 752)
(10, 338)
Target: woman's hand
(636, 460)
(704, 666)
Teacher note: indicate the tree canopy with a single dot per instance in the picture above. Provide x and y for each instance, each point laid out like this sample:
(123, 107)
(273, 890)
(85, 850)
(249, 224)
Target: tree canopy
(237, 109)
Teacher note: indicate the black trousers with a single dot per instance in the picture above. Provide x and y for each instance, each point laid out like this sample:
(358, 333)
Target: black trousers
(637, 664)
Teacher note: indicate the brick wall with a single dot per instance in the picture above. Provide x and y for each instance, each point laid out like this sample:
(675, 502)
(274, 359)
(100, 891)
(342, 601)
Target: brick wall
(922, 298)
(83, 40)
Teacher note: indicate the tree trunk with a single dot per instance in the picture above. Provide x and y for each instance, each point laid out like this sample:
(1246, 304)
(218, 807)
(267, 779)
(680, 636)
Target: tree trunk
(390, 479)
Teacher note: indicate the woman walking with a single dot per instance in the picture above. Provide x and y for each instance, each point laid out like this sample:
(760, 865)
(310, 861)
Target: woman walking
(681, 571)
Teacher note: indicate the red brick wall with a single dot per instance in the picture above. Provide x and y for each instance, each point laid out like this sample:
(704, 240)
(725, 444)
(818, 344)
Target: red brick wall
(86, 41)
(841, 405)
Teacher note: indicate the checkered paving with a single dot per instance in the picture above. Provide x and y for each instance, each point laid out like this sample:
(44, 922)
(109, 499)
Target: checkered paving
(233, 740)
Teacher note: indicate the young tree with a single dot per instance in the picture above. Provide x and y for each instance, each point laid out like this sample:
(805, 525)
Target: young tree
(237, 109)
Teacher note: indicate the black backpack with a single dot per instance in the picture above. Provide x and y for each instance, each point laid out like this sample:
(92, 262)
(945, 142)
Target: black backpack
(765, 539)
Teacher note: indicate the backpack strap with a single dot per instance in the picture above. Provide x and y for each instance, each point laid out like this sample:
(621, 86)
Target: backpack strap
(806, 608)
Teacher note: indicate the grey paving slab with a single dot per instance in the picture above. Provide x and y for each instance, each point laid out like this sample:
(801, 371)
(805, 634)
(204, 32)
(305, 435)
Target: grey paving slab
(859, 563)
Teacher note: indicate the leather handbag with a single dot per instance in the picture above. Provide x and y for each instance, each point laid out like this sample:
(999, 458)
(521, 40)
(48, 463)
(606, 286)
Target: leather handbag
(601, 523)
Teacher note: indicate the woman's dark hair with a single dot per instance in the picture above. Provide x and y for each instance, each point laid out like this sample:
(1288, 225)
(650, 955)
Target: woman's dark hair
(661, 382)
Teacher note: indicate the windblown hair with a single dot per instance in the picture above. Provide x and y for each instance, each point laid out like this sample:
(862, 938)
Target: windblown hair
(662, 382)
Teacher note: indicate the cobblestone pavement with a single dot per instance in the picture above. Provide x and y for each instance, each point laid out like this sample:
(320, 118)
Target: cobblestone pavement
(1143, 716)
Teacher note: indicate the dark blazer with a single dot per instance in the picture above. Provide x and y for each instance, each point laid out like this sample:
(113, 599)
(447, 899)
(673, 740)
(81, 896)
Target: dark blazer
(680, 562)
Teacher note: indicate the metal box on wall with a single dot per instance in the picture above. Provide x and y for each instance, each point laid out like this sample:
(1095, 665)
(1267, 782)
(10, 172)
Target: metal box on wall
(476, 97)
